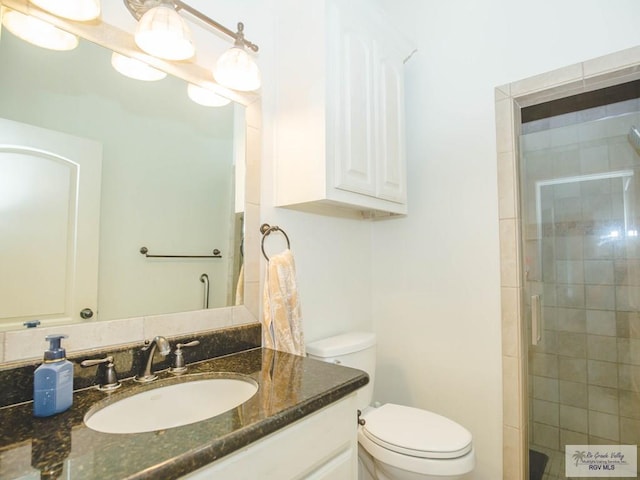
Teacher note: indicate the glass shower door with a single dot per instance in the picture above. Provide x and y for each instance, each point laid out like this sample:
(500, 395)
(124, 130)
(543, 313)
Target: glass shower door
(579, 181)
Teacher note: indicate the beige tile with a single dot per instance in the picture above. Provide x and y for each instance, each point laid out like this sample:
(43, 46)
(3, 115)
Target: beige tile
(187, 322)
(604, 425)
(628, 324)
(570, 296)
(603, 374)
(629, 376)
(629, 404)
(572, 369)
(570, 271)
(546, 81)
(252, 298)
(509, 269)
(546, 436)
(570, 247)
(598, 272)
(573, 418)
(600, 322)
(611, 62)
(603, 399)
(2, 347)
(511, 391)
(510, 310)
(601, 347)
(568, 437)
(573, 394)
(546, 412)
(31, 343)
(571, 319)
(629, 350)
(504, 125)
(544, 365)
(506, 186)
(512, 453)
(627, 272)
(572, 344)
(627, 298)
(630, 431)
(545, 389)
(242, 316)
(503, 91)
(600, 297)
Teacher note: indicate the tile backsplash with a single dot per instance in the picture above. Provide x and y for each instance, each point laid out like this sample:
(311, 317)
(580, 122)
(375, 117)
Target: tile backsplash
(29, 344)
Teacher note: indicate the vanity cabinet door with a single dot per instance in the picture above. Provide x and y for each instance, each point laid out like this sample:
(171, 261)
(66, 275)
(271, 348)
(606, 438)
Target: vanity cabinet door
(322, 446)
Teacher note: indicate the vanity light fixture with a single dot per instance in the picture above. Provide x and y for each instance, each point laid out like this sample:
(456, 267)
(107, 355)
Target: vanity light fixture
(133, 68)
(38, 32)
(235, 69)
(206, 96)
(163, 33)
(79, 10)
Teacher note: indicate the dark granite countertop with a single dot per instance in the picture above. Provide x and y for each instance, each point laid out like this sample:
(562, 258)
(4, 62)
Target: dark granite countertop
(289, 388)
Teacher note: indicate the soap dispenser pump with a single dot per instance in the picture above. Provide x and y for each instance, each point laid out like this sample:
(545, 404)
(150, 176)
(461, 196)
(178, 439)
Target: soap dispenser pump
(53, 380)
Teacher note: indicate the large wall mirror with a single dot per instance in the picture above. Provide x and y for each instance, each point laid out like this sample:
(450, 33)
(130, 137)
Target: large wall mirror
(166, 174)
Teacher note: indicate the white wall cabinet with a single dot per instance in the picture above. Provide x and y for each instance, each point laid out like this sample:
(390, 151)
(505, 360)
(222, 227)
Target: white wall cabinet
(340, 108)
(322, 446)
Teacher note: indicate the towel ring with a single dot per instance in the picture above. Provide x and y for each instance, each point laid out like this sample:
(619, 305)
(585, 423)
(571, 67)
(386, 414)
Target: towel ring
(267, 229)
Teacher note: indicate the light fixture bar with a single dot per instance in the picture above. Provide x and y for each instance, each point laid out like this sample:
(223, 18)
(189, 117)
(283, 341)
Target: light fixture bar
(137, 8)
(180, 5)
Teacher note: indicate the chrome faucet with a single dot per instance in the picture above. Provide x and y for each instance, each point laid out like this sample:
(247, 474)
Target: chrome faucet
(145, 374)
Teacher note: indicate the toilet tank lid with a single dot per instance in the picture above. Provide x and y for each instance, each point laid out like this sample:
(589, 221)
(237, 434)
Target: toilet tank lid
(341, 344)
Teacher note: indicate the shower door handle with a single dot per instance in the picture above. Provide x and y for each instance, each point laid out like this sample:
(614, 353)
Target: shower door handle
(536, 327)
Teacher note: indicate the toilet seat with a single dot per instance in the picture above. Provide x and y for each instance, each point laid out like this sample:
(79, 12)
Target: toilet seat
(416, 432)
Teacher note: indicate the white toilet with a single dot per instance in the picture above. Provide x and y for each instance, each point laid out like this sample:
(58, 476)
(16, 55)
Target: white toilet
(397, 442)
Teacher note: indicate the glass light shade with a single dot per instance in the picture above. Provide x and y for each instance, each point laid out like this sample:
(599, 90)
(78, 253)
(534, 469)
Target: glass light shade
(206, 97)
(163, 33)
(236, 69)
(133, 68)
(38, 32)
(80, 10)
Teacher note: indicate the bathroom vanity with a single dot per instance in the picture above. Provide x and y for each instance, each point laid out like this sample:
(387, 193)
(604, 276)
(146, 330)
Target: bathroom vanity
(301, 423)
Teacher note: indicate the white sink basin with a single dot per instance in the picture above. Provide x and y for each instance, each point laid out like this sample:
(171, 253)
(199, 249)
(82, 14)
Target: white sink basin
(171, 406)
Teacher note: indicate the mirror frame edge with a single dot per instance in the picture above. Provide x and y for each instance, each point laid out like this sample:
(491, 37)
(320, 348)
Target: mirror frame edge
(122, 42)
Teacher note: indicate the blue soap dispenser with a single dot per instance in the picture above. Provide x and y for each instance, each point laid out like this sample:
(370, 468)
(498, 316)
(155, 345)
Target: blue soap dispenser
(53, 380)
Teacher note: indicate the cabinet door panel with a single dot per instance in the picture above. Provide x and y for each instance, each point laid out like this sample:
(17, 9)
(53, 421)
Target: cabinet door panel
(355, 153)
(391, 174)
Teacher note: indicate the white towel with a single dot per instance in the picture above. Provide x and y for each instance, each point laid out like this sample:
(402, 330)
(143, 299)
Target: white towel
(281, 315)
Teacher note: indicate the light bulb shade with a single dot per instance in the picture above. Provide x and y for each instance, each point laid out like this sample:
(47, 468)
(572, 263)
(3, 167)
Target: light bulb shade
(163, 33)
(79, 10)
(205, 96)
(38, 32)
(133, 68)
(236, 69)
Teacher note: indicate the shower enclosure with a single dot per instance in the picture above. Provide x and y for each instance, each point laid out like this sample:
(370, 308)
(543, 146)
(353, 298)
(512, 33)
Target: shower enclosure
(579, 189)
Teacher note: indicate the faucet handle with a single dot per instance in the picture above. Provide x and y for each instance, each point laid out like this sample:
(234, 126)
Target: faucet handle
(178, 359)
(109, 378)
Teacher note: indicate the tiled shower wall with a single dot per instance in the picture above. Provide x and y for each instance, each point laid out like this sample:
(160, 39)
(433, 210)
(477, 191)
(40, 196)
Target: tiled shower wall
(584, 262)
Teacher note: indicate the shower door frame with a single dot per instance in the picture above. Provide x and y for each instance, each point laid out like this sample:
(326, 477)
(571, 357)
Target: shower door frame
(616, 68)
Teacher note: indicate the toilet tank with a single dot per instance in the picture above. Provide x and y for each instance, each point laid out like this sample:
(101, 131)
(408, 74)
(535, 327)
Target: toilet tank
(355, 350)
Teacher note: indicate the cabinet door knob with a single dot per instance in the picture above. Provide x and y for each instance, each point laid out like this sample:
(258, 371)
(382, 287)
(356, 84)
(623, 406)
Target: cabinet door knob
(86, 313)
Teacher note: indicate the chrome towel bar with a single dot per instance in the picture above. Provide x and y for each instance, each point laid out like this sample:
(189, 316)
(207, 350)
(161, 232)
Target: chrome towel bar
(145, 251)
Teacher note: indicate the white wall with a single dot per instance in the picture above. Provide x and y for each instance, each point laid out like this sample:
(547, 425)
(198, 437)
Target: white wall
(436, 302)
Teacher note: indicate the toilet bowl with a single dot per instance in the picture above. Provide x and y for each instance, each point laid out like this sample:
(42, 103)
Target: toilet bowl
(397, 442)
